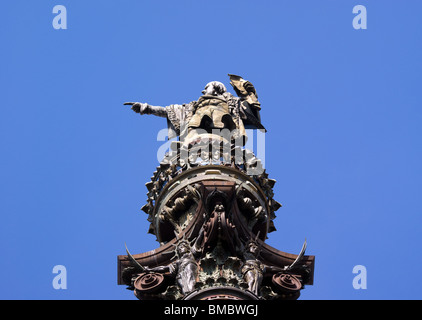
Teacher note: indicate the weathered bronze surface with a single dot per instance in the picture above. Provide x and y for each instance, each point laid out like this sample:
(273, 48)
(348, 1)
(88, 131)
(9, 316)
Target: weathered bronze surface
(210, 205)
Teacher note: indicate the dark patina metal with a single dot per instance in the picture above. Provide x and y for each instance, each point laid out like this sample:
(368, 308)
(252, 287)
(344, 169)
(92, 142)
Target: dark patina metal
(210, 204)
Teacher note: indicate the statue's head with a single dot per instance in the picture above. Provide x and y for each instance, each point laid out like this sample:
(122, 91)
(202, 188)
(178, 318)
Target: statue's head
(219, 207)
(214, 88)
(253, 248)
(183, 247)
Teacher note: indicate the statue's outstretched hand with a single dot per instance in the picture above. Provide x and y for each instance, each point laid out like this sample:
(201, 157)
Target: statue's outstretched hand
(147, 269)
(145, 108)
(136, 106)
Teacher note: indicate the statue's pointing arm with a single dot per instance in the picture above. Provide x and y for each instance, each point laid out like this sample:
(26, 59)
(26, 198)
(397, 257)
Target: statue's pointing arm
(145, 108)
(161, 269)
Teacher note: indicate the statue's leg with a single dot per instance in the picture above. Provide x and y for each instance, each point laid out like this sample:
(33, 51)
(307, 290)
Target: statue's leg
(250, 280)
(190, 275)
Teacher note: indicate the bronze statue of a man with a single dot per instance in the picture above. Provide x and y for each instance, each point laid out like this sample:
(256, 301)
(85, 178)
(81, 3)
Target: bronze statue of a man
(215, 109)
(185, 268)
(253, 269)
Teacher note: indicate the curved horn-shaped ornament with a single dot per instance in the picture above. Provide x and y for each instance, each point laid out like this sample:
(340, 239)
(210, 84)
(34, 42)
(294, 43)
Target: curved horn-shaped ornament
(133, 260)
(299, 257)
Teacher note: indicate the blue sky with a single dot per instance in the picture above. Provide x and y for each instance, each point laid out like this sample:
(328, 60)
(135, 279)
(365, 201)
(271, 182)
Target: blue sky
(342, 108)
